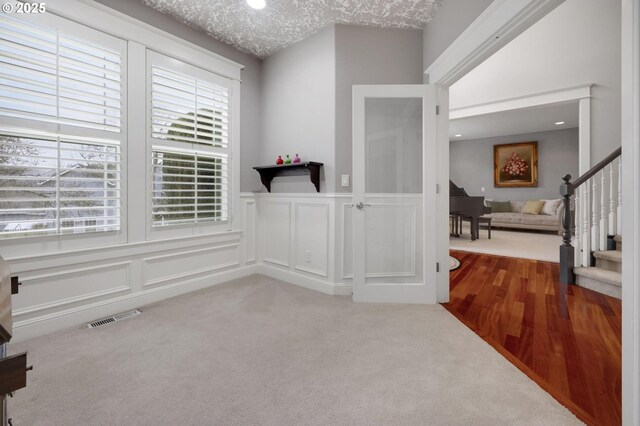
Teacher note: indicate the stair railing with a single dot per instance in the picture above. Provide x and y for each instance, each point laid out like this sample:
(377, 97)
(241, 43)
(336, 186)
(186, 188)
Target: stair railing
(595, 221)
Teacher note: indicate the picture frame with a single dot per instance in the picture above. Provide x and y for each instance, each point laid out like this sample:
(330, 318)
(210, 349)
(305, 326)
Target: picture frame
(515, 165)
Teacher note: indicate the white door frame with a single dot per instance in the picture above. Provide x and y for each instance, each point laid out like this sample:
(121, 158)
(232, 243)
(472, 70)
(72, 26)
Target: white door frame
(631, 212)
(500, 23)
(579, 94)
(427, 291)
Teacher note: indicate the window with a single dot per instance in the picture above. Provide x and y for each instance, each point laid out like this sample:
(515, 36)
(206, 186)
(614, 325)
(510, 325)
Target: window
(190, 144)
(60, 130)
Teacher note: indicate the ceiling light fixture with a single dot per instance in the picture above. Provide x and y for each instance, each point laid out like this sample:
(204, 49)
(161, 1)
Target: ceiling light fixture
(257, 4)
(458, 135)
(559, 123)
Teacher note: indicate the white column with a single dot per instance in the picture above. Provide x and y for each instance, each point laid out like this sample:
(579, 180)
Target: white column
(584, 136)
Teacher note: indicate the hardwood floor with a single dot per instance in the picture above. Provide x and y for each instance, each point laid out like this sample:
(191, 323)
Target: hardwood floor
(565, 338)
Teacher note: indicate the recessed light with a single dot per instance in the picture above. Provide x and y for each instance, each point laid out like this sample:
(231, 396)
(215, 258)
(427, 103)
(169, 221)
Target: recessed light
(257, 4)
(559, 123)
(458, 135)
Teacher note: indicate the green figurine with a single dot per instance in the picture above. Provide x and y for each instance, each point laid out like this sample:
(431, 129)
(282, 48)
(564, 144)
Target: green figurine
(287, 160)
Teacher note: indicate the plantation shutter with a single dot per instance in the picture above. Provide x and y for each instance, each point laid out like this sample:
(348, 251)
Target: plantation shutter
(190, 144)
(187, 109)
(52, 77)
(189, 187)
(61, 92)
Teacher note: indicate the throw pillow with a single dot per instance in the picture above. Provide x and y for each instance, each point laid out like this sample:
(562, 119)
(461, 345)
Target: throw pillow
(533, 207)
(551, 207)
(500, 206)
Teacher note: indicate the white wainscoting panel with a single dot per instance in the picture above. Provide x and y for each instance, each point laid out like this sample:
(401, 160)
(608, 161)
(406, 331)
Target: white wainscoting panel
(249, 231)
(276, 232)
(172, 267)
(311, 232)
(45, 291)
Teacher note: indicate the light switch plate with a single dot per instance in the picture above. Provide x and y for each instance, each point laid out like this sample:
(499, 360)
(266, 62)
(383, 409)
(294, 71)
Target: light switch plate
(345, 180)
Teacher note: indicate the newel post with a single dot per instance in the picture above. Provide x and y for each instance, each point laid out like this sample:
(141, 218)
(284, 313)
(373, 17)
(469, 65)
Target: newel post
(566, 249)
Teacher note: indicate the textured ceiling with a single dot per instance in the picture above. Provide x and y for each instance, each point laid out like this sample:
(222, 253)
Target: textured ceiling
(284, 22)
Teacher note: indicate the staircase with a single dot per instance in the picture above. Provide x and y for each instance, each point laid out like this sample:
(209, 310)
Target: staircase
(606, 276)
(591, 250)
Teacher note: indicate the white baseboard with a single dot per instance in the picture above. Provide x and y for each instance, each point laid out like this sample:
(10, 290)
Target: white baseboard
(322, 286)
(78, 316)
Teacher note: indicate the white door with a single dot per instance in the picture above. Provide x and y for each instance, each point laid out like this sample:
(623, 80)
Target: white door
(394, 218)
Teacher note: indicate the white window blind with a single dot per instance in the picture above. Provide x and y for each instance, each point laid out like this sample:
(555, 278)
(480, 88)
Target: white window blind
(49, 76)
(188, 109)
(61, 94)
(189, 187)
(50, 186)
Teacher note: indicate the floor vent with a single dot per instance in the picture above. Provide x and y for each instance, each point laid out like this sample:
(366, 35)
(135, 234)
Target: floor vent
(117, 317)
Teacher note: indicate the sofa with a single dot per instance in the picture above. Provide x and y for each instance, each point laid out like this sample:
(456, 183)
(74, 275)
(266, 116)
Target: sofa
(549, 219)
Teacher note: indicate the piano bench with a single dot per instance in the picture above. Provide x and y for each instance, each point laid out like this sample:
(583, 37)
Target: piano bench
(485, 221)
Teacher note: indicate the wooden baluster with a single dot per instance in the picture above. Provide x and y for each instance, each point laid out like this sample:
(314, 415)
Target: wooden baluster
(619, 209)
(594, 216)
(567, 253)
(586, 239)
(603, 214)
(577, 238)
(612, 203)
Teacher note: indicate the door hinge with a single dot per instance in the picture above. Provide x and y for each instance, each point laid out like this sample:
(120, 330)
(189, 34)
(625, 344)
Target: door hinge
(437, 266)
(437, 109)
(437, 188)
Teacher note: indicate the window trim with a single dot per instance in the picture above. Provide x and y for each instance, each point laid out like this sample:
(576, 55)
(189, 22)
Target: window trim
(138, 37)
(231, 151)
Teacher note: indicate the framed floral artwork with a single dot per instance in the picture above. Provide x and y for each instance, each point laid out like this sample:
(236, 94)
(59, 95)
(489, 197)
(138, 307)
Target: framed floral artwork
(515, 165)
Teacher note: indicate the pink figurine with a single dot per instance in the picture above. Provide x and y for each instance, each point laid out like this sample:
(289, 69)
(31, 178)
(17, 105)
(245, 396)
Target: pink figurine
(296, 159)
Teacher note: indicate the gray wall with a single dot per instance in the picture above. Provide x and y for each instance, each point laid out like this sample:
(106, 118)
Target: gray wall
(250, 113)
(451, 20)
(577, 43)
(298, 86)
(472, 164)
(367, 55)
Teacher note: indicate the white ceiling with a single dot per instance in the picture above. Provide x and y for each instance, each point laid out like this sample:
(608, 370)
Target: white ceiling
(284, 22)
(515, 122)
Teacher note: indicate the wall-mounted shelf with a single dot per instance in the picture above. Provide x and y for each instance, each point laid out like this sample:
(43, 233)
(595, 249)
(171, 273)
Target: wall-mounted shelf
(310, 168)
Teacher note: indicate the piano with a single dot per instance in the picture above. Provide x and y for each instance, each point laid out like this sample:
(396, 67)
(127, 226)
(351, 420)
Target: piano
(462, 206)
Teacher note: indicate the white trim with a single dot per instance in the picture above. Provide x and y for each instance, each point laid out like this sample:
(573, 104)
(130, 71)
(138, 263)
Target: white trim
(120, 25)
(581, 94)
(631, 212)
(567, 94)
(45, 324)
(501, 22)
(311, 283)
(584, 135)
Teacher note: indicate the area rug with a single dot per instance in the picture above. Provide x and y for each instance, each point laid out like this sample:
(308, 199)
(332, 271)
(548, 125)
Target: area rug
(512, 243)
(453, 263)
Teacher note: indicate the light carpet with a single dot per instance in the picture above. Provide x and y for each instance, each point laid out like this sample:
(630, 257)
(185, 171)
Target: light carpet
(257, 351)
(524, 244)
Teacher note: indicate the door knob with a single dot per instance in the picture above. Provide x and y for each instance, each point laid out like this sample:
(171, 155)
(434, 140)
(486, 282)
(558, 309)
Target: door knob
(360, 205)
